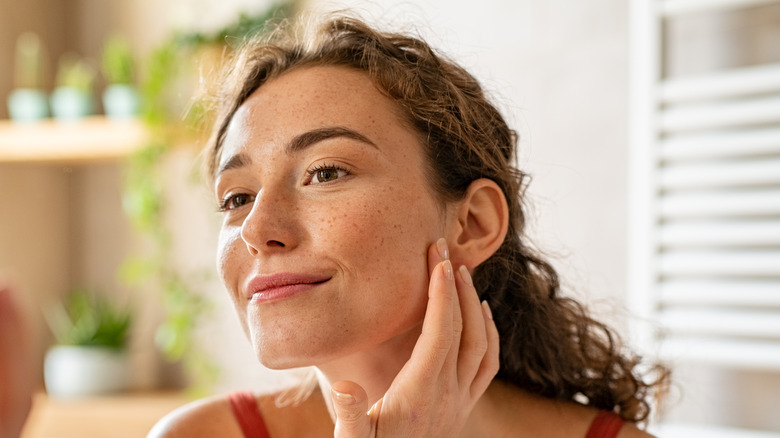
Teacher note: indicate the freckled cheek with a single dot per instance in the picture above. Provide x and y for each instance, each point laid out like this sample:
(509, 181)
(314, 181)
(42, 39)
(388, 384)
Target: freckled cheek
(352, 224)
(375, 228)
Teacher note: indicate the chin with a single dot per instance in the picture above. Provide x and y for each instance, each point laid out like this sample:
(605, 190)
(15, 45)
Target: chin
(287, 360)
(283, 353)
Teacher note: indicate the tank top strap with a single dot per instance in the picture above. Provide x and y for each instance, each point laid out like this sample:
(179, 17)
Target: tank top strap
(248, 415)
(605, 425)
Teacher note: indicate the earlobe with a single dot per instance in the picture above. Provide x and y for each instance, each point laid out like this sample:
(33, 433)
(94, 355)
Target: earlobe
(482, 223)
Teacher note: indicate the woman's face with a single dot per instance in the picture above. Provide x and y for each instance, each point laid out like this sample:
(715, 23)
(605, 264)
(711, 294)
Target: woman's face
(327, 219)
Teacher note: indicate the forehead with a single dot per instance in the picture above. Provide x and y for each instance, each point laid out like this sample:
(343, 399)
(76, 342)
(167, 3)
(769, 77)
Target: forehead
(312, 98)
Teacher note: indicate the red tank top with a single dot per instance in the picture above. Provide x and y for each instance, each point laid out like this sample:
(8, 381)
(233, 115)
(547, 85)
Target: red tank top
(605, 425)
(244, 406)
(248, 415)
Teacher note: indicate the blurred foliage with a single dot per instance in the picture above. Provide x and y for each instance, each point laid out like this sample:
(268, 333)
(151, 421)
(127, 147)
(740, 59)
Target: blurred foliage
(75, 72)
(28, 61)
(89, 320)
(117, 61)
(245, 25)
(171, 116)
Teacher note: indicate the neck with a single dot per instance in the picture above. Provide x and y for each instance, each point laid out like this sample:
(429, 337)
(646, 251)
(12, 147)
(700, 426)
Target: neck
(374, 370)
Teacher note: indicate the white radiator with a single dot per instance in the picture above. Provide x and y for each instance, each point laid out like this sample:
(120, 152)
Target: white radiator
(705, 207)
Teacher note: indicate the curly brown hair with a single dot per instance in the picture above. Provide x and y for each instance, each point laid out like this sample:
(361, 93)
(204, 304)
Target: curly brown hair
(549, 344)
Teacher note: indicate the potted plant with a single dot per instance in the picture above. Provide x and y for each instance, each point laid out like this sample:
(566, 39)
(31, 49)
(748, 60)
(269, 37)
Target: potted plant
(27, 102)
(90, 356)
(120, 98)
(72, 99)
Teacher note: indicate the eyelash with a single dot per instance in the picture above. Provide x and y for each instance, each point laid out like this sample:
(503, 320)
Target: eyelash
(224, 204)
(326, 166)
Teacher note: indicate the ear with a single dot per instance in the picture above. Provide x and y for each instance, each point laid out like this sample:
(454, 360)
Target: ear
(482, 221)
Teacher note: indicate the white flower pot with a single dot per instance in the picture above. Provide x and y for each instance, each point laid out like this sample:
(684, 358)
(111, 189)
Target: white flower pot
(120, 101)
(71, 371)
(70, 104)
(27, 105)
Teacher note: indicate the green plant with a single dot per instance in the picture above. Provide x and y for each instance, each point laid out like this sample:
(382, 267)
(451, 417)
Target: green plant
(86, 319)
(28, 61)
(117, 61)
(74, 72)
(246, 24)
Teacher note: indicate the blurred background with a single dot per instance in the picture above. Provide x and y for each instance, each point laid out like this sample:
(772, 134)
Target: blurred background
(628, 113)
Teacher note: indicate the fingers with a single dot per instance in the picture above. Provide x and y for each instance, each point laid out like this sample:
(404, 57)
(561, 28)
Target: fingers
(437, 253)
(473, 342)
(350, 404)
(490, 364)
(440, 323)
(473, 350)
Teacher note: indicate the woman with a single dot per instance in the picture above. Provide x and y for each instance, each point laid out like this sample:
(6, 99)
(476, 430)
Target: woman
(373, 229)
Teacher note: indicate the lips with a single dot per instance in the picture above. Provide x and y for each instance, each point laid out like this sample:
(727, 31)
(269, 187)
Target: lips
(278, 286)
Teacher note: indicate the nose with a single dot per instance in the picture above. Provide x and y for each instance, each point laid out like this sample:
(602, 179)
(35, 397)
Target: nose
(270, 225)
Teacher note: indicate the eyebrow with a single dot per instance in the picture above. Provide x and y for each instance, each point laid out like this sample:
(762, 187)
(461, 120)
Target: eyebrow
(301, 142)
(309, 138)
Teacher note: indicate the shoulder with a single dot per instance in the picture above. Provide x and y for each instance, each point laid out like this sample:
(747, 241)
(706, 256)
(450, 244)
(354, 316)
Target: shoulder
(202, 418)
(545, 417)
(214, 416)
(630, 430)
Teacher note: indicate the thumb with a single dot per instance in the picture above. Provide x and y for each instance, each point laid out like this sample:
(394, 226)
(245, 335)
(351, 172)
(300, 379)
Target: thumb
(350, 404)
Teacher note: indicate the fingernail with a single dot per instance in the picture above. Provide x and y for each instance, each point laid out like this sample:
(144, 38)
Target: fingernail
(465, 275)
(343, 398)
(441, 246)
(486, 309)
(448, 270)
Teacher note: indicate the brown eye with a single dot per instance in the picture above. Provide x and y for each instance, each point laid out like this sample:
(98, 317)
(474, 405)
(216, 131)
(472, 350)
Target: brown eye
(327, 174)
(235, 201)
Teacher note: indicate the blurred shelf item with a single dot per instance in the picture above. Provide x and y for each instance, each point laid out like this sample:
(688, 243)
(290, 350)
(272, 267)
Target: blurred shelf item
(91, 139)
(117, 416)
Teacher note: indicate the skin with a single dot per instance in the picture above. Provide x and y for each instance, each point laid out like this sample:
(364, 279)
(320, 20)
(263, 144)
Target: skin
(393, 323)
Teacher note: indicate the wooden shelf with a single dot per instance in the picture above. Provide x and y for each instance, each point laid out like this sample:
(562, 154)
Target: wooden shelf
(91, 139)
(128, 415)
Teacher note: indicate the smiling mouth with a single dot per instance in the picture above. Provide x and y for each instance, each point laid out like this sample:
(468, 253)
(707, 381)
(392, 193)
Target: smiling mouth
(280, 286)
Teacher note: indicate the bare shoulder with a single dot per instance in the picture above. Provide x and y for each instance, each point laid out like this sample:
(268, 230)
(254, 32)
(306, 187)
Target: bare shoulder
(213, 416)
(208, 417)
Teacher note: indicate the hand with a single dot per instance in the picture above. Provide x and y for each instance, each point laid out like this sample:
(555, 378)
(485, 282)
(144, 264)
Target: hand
(451, 366)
